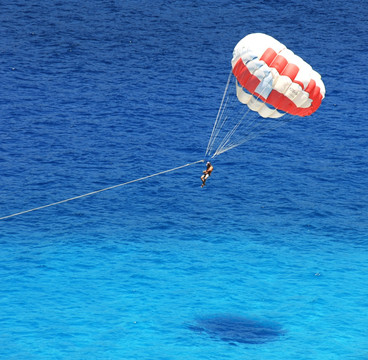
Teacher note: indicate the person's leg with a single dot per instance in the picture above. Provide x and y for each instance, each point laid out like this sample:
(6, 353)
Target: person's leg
(204, 178)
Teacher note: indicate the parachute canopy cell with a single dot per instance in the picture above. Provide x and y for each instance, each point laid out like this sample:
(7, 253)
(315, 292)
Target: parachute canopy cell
(272, 80)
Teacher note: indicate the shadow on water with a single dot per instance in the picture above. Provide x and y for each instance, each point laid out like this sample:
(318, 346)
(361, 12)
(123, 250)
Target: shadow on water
(236, 329)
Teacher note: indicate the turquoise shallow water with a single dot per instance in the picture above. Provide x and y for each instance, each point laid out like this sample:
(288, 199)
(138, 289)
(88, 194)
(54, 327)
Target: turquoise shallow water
(100, 93)
(137, 297)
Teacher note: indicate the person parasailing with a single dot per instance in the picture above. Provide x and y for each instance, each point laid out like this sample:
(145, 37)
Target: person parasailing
(206, 173)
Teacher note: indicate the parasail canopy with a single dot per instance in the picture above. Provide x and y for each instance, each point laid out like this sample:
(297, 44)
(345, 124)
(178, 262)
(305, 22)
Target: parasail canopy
(272, 81)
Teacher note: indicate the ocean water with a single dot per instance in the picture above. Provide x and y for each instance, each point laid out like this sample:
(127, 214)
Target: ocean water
(97, 93)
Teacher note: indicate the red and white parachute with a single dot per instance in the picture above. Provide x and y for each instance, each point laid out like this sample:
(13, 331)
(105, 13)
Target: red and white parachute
(271, 80)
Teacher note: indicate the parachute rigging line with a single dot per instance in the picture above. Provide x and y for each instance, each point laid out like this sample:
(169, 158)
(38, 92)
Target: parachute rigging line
(233, 126)
(101, 190)
(216, 129)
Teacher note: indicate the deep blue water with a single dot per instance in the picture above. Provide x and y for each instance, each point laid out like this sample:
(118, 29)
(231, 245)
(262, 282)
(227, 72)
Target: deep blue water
(96, 93)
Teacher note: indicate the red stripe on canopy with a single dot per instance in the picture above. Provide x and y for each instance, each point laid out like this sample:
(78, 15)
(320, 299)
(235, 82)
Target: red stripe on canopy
(281, 102)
